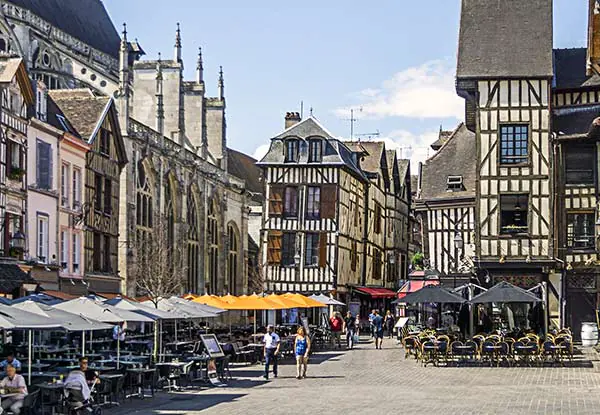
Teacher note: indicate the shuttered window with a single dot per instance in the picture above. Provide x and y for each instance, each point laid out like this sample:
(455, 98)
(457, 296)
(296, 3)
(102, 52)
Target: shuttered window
(44, 165)
(107, 196)
(353, 256)
(274, 240)
(328, 201)
(288, 249)
(276, 200)
(323, 250)
(98, 192)
(377, 218)
(376, 264)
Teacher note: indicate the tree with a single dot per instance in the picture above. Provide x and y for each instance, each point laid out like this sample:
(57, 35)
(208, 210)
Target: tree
(159, 261)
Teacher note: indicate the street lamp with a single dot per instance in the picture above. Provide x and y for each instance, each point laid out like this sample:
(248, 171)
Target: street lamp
(18, 240)
(297, 259)
(458, 241)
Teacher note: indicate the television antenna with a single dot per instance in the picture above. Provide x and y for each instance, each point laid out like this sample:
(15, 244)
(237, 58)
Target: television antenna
(353, 120)
(369, 135)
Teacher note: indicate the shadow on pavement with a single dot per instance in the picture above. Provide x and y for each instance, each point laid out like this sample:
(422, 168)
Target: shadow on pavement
(177, 404)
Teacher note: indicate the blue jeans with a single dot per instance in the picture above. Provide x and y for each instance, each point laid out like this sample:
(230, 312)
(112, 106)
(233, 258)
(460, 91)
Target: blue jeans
(270, 358)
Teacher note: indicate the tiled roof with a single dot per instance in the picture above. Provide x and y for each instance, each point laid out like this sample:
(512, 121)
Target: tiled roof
(458, 157)
(244, 167)
(86, 20)
(574, 121)
(373, 161)
(442, 138)
(500, 38)
(12, 277)
(80, 107)
(570, 69)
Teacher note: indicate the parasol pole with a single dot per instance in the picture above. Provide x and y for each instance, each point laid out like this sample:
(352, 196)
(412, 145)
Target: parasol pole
(30, 349)
(83, 343)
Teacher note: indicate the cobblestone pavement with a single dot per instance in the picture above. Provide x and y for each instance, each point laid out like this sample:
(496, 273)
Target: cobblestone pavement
(369, 381)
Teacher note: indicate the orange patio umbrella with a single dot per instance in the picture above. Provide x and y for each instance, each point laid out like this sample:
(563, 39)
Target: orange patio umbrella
(229, 298)
(254, 303)
(305, 302)
(286, 302)
(211, 300)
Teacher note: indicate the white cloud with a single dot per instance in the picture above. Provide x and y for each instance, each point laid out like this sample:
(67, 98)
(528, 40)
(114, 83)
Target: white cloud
(425, 91)
(261, 151)
(415, 147)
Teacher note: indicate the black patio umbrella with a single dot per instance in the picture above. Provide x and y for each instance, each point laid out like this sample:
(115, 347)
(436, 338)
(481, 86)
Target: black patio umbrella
(432, 294)
(504, 292)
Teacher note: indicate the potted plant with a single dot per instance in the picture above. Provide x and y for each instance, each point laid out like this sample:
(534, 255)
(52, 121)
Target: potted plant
(16, 173)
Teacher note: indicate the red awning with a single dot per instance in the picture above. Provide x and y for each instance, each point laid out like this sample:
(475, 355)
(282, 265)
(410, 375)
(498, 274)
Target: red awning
(377, 292)
(412, 286)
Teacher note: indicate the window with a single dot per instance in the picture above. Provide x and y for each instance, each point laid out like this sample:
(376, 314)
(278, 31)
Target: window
(274, 241)
(107, 196)
(64, 185)
(580, 164)
(513, 214)
(107, 254)
(102, 259)
(377, 263)
(105, 138)
(276, 200)
(291, 150)
(76, 252)
(580, 230)
(42, 238)
(76, 188)
(288, 249)
(354, 255)
(144, 209)
(315, 151)
(64, 250)
(377, 218)
(14, 160)
(193, 244)
(44, 165)
(313, 203)
(290, 202)
(514, 141)
(311, 252)
(213, 248)
(98, 189)
(98, 258)
(454, 184)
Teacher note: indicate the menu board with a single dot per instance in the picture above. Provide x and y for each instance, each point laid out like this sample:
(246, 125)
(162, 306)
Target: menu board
(212, 345)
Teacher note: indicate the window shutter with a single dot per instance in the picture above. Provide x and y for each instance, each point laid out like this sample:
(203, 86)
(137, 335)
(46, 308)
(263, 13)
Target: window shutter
(328, 201)
(43, 165)
(274, 247)
(276, 201)
(322, 250)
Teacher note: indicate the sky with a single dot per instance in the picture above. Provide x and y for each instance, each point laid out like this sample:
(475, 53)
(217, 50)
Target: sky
(392, 61)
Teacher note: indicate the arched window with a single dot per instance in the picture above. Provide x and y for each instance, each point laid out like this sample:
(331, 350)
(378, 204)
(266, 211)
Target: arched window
(213, 249)
(169, 213)
(232, 259)
(193, 244)
(144, 204)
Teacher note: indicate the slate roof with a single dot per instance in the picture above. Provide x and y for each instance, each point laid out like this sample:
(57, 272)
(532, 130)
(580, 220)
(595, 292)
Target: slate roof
(86, 20)
(244, 167)
(442, 138)
(458, 157)
(80, 107)
(570, 69)
(575, 121)
(403, 168)
(12, 277)
(334, 151)
(500, 38)
(373, 160)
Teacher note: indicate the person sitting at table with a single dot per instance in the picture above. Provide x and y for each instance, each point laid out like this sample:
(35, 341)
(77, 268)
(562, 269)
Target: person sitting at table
(13, 384)
(10, 360)
(90, 374)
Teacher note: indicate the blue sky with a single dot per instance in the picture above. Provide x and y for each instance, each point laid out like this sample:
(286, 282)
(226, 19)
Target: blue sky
(395, 60)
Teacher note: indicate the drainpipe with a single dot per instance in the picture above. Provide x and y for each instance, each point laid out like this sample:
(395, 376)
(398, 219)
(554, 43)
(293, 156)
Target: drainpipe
(365, 236)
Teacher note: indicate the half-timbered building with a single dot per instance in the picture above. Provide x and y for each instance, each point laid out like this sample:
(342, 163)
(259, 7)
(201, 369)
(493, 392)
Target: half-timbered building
(324, 224)
(446, 204)
(94, 119)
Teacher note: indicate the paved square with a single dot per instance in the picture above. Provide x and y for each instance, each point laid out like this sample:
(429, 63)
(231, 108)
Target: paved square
(369, 381)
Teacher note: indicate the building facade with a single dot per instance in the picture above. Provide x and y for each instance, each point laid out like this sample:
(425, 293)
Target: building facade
(325, 223)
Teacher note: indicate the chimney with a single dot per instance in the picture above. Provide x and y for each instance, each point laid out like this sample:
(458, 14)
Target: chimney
(593, 49)
(292, 118)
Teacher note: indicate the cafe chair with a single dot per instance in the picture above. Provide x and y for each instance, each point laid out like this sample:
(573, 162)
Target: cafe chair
(30, 404)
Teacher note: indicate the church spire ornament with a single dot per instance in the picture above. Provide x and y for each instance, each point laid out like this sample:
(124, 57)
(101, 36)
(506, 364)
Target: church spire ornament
(221, 84)
(199, 68)
(178, 44)
(160, 111)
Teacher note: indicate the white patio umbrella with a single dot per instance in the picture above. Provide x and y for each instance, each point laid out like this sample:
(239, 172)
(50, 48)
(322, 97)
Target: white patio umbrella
(15, 318)
(326, 300)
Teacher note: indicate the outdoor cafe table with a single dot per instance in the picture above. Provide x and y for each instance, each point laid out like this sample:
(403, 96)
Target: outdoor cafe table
(35, 366)
(50, 394)
(140, 373)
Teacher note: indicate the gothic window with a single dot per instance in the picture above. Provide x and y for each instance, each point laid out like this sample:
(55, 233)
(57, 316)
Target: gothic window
(144, 204)
(169, 217)
(213, 248)
(514, 141)
(193, 244)
(232, 258)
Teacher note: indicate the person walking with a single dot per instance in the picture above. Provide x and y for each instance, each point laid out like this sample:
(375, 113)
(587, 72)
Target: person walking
(350, 327)
(371, 327)
(271, 351)
(389, 323)
(336, 325)
(378, 327)
(302, 349)
(357, 325)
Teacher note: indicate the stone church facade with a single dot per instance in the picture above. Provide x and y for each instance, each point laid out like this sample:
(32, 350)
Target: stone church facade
(174, 135)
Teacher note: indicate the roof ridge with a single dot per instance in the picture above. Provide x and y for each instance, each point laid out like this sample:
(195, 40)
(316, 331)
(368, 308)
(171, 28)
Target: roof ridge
(450, 138)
